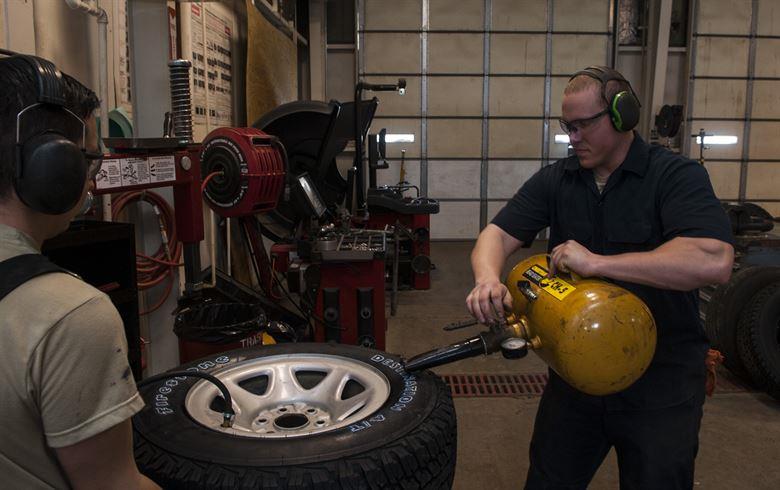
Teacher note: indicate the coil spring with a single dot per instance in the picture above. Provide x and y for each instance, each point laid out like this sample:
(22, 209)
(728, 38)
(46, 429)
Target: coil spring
(181, 99)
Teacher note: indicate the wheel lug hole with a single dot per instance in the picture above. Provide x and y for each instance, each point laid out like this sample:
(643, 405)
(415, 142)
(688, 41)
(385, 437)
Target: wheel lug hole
(311, 410)
(282, 409)
(262, 421)
(320, 422)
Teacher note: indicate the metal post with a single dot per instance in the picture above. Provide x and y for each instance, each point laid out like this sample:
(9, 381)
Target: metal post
(743, 165)
(687, 123)
(661, 55)
(424, 98)
(484, 164)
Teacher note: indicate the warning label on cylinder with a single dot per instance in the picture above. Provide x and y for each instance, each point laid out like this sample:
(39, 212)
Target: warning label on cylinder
(555, 286)
(123, 172)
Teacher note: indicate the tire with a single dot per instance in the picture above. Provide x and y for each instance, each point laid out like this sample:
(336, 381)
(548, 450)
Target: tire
(758, 339)
(709, 297)
(408, 442)
(724, 311)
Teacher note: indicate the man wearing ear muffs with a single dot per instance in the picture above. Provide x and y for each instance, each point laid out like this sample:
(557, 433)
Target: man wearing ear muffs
(66, 389)
(647, 220)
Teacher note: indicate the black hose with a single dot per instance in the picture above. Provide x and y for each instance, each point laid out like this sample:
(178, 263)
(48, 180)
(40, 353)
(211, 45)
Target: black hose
(228, 413)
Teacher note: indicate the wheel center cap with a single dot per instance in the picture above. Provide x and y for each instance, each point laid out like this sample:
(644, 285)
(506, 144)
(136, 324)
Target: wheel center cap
(291, 421)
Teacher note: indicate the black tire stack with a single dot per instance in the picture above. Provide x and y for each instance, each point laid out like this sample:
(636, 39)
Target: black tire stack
(742, 321)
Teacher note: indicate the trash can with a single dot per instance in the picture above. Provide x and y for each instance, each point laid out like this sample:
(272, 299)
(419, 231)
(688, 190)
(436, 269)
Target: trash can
(211, 328)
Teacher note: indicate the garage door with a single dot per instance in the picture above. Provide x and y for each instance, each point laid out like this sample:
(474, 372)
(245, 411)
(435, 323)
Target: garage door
(485, 79)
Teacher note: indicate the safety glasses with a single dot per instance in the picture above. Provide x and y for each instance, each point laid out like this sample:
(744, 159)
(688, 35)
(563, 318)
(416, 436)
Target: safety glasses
(95, 160)
(570, 127)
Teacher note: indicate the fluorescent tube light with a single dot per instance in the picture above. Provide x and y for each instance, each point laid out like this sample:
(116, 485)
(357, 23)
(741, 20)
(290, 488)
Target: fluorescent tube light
(717, 140)
(399, 138)
(561, 138)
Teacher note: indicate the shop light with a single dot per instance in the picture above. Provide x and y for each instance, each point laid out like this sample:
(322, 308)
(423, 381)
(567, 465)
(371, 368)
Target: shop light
(399, 138)
(563, 139)
(718, 140)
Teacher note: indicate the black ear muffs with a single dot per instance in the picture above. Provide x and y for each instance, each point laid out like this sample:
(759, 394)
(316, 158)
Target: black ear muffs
(624, 106)
(51, 171)
(624, 111)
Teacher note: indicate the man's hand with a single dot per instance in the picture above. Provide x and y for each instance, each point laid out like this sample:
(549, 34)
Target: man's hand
(570, 256)
(488, 300)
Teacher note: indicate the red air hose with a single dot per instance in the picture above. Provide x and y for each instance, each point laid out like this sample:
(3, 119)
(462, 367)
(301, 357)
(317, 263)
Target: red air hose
(156, 268)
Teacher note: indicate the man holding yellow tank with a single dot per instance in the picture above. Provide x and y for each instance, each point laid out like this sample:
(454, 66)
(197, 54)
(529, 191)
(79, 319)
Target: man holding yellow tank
(647, 220)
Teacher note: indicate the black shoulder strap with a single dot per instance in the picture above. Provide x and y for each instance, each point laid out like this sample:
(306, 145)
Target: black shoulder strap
(18, 270)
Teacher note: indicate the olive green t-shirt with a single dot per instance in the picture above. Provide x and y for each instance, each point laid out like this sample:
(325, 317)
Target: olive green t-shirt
(64, 375)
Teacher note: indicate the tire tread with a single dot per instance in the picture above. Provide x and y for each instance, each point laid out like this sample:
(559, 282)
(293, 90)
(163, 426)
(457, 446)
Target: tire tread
(750, 343)
(423, 458)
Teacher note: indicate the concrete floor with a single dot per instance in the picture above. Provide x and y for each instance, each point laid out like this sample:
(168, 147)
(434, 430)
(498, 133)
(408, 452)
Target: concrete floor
(740, 434)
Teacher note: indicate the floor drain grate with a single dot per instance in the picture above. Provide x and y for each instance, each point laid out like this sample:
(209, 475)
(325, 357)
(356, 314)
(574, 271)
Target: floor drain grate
(495, 385)
(498, 385)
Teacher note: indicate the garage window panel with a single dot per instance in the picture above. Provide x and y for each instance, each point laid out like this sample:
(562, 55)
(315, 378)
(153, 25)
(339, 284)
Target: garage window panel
(519, 15)
(399, 126)
(574, 52)
(769, 19)
(393, 104)
(725, 178)
(517, 53)
(392, 53)
(719, 98)
(718, 128)
(509, 138)
(721, 57)
(465, 14)
(398, 14)
(460, 138)
(557, 86)
(455, 53)
(766, 99)
(768, 58)
(506, 177)
(455, 221)
(724, 16)
(764, 140)
(578, 15)
(763, 181)
(453, 179)
(455, 96)
(516, 96)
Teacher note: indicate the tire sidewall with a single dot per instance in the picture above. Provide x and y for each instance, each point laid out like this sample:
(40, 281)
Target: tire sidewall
(165, 423)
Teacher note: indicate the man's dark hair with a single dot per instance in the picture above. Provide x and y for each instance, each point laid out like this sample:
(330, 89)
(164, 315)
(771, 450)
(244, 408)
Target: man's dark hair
(18, 89)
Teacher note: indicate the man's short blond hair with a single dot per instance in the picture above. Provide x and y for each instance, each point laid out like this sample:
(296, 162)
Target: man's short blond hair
(580, 83)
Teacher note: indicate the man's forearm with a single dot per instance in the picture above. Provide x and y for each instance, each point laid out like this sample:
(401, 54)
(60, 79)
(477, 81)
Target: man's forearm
(490, 253)
(681, 264)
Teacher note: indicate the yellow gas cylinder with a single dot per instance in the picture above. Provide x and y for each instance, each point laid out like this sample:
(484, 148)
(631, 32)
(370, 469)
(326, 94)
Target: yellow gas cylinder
(597, 336)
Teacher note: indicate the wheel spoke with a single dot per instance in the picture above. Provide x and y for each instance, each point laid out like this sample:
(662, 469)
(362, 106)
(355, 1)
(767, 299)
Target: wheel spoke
(344, 408)
(282, 384)
(330, 388)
